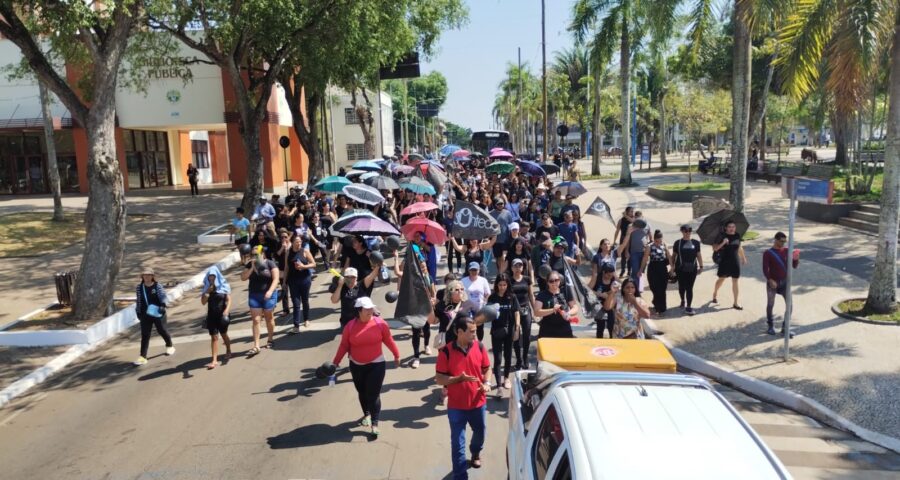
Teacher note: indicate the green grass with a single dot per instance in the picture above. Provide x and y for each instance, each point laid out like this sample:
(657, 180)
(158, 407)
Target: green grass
(857, 308)
(673, 169)
(750, 235)
(35, 233)
(605, 176)
(840, 193)
(679, 187)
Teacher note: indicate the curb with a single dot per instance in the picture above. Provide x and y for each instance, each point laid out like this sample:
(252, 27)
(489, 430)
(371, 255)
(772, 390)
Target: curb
(41, 374)
(837, 311)
(773, 394)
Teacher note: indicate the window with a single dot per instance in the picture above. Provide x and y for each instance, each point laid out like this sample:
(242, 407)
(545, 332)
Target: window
(356, 151)
(550, 437)
(563, 471)
(350, 117)
(200, 153)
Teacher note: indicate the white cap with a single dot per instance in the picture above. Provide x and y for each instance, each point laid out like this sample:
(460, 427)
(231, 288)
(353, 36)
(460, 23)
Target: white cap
(350, 272)
(364, 302)
(514, 226)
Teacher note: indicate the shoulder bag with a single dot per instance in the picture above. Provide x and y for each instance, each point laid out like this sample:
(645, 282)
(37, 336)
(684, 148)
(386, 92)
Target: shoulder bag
(153, 310)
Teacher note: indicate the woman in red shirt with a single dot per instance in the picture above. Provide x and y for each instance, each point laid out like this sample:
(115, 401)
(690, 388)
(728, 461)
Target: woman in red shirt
(362, 339)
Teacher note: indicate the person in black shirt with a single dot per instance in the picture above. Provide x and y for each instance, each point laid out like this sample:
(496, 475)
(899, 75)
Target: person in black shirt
(686, 263)
(357, 256)
(217, 297)
(349, 289)
(520, 284)
(603, 289)
(555, 307)
(264, 279)
(546, 226)
(298, 279)
(269, 244)
(504, 327)
(731, 258)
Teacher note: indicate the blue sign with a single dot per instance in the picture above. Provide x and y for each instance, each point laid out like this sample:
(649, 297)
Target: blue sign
(645, 153)
(810, 189)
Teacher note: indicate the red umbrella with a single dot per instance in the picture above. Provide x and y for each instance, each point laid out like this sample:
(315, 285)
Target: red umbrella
(434, 232)
(461, 153)
(418, 207)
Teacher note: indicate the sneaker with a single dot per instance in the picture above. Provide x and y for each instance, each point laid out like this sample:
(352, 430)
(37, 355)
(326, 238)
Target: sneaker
(366, 421)
(771, 331)
(140, 362)
(790, 333)
(295, 330)
(170, 351)
(415, 363)
(427, 350)
(689, 311)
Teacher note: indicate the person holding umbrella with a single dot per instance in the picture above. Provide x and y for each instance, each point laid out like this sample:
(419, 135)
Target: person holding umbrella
(731, 257)
(362, 339)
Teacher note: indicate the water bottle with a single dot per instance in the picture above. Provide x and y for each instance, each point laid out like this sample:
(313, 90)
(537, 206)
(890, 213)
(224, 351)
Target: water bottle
(332, 379)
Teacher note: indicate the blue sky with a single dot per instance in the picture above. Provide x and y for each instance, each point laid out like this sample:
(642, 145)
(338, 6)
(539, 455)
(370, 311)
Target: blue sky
(474, 58)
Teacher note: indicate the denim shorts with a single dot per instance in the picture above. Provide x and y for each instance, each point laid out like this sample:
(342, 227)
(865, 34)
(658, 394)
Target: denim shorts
(258, 301)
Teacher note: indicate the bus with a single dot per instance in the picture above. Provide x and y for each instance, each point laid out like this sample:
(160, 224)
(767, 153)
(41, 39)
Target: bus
(485, 140)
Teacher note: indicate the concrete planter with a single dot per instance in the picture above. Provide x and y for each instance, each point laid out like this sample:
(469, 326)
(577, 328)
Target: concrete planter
(216, 236)
(836, 309)
(687, 196)
(818, 212)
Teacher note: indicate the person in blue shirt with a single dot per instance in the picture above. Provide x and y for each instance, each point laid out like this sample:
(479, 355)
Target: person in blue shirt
(264, 215)
(569, 231)
(240, 227)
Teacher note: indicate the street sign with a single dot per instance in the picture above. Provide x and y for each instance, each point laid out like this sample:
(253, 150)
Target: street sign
(407, 67)
(813, 190)
(562, 130)
(645, 153)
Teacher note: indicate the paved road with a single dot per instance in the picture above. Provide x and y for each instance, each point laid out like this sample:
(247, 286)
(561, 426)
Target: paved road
(267, 417)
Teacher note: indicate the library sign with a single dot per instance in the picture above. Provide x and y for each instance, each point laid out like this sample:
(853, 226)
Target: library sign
(169, 67)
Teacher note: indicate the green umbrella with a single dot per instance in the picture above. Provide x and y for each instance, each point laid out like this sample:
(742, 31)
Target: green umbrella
(332, 184)
(500, 167)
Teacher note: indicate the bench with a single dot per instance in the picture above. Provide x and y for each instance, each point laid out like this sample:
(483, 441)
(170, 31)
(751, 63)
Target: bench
(789, 169)
(707, 167)
(823, 172)
(767, 173)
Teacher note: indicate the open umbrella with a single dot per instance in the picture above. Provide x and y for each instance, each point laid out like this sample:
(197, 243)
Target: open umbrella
(500, 154)
(381, 182)
(449, 149)
(462, 159)
(351, 215)
(368, 165)
(495, 149)
(363, 193)
(369, 175)
(369, 226)
(531, 169)
(460, 153)
(403, 169)
(500, 167)
(354, 173)
(710, 230)
(418, 207)
(332, 184)
(434, 232)
(417, 185)
(550, 168)
(415, 157)
(574, 189)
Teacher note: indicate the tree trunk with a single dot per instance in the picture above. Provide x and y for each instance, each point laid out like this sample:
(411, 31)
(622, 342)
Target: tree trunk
(882, 296)
(761, 99)
(596, 127)
(740, 98)
(104, 219)
(840, 129)
(305, 125)
(582, 144)
(366, 122)
(254, 188)
(52, 169)
(762, 143)
(663, 132)
(625, 80)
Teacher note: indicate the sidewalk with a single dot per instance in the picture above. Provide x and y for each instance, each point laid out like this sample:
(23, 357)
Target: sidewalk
(166, 239)
(850, 367)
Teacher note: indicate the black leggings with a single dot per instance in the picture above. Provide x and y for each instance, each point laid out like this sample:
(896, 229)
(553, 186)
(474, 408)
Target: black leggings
(686, 286)
(451, 252)
(195, 190)
(502, 344)
(417, 334)
(147, 323)
(658, 278)
(607, 320)
(368, 379)
(523, 344)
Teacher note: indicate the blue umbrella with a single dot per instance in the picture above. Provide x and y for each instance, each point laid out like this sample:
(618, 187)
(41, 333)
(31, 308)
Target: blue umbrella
(369, 165)
(332, 184)
(449, 149)
(369, 175)
(574, 189)
(417, 185)
(531, 169)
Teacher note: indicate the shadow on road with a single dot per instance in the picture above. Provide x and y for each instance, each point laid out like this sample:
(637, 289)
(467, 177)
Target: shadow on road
(315, 435)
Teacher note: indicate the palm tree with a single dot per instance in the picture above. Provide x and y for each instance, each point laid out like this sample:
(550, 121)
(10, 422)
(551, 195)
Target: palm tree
(573, 65)
(843, 41)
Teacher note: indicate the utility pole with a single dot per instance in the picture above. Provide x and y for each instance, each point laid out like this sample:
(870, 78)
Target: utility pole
(406, 115)
(519, 127)
(544, 69)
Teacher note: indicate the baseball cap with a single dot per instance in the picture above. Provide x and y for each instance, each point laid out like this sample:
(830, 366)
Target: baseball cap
(514, 226)
(364, 302)
(350, 272)
(518, 261)
(474, 266)
(780, 236)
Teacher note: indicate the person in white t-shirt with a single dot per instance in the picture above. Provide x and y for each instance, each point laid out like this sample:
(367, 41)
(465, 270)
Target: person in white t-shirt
(478, 289)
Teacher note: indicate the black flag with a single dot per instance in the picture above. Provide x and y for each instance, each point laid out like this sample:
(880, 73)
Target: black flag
(471, 222)
(413, 304)
(600, 208)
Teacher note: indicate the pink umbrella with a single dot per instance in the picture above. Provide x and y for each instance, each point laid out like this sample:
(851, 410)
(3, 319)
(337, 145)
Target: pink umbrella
(461, 153)
(496, 149)
(434, 232)
(418, 207)
(404, 169)
(500, 154)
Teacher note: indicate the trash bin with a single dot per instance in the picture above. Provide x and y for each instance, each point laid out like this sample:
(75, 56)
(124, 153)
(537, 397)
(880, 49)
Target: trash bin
(65, 288)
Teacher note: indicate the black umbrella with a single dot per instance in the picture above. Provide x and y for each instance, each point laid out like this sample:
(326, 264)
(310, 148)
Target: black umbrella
(382, 182)
(549, 168)
(711, 229)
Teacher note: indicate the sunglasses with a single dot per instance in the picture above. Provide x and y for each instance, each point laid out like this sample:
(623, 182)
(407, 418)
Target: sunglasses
(554, 280)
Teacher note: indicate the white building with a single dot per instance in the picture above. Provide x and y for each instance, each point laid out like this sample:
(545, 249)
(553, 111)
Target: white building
(348, 138)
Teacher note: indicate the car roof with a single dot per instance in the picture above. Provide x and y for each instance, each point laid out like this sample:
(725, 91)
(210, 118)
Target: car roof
(659, 430)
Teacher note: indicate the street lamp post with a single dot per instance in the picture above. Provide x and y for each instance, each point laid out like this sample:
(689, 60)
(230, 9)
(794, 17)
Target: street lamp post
(544, 69)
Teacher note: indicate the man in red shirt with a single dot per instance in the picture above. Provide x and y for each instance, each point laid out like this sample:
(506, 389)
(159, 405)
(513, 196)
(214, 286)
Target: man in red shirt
(775, 270)
(462, 367)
